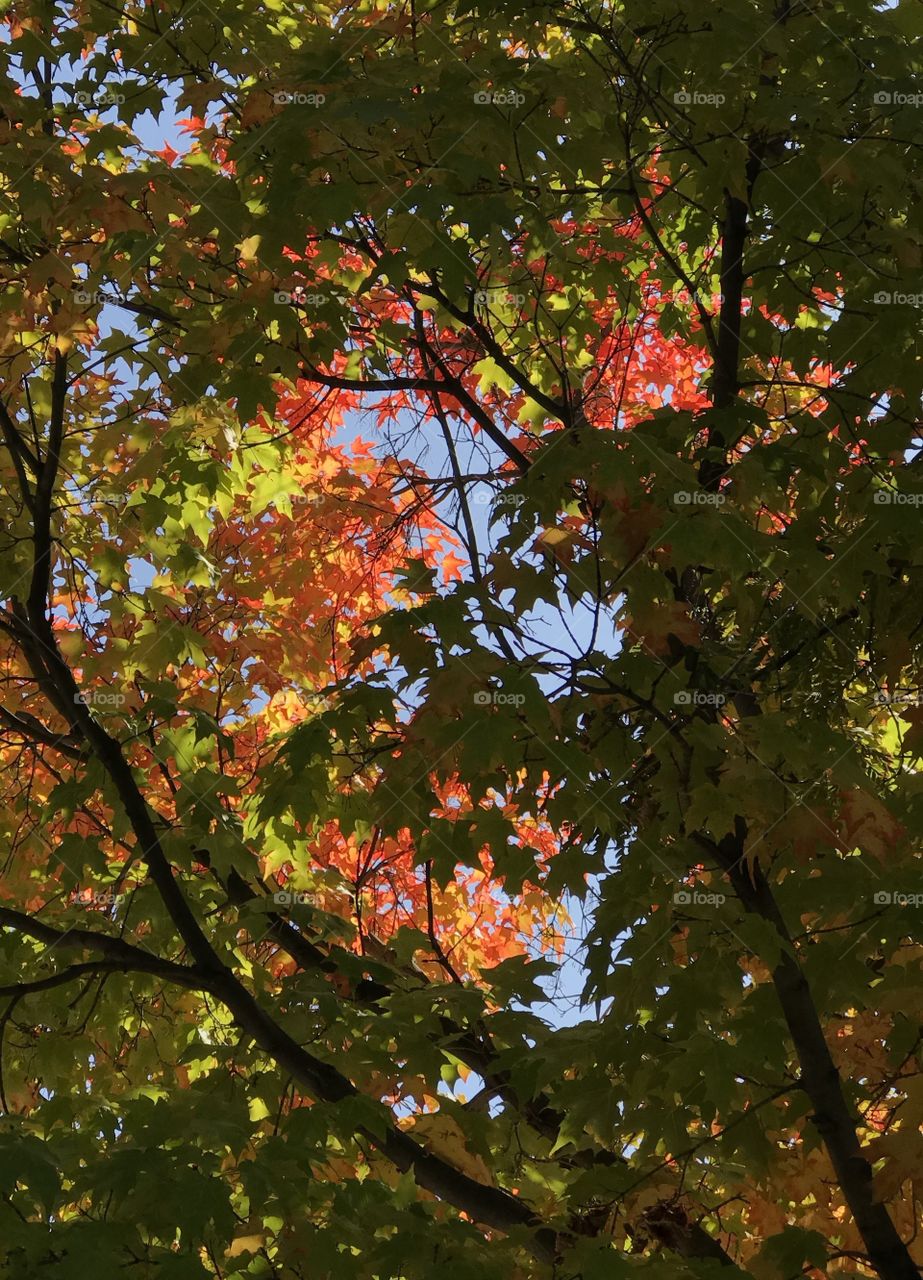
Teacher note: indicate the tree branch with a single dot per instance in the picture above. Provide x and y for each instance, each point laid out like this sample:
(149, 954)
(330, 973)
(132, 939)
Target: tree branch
(119, 955)
(820, 1078)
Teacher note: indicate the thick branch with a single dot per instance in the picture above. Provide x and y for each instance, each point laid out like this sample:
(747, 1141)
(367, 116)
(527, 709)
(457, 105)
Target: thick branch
(119, 955)
(726, 375)
(820, 1078)
(35, 732)
(92, 969)
(489, 1205)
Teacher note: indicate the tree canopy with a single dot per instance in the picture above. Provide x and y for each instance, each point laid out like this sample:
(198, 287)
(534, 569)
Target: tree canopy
(460, 640)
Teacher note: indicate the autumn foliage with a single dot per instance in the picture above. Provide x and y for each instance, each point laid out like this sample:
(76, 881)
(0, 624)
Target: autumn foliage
(460, 642)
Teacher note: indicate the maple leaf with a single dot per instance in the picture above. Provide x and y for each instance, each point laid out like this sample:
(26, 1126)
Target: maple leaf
(451, 566)
(867, 823)
(306, 824)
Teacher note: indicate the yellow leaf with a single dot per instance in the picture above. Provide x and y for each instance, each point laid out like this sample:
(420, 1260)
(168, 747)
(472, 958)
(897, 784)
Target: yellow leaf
(443, 1135)
(258, 1109)
(554, 537)
(245, 1244)
(249, 248)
